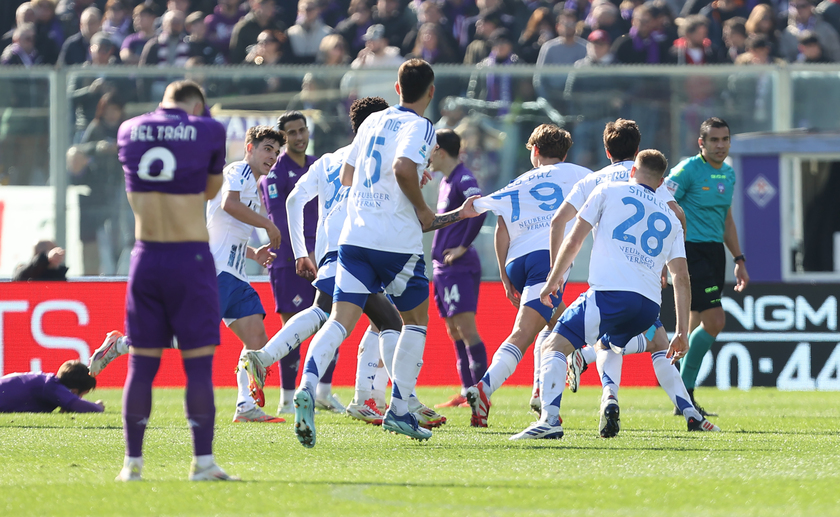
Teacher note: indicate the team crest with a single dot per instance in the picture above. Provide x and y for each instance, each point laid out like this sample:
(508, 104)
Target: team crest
(272, 191)
(297, 300)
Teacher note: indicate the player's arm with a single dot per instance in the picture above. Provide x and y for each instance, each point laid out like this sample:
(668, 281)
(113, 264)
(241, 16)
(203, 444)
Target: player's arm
(558, 229)
(680, 213)
(236, 208)
(730, 238)
(214, 184)
(405, 170)
(568, 251)
(501, 243)
(262, 255)
(305, 190)
(678, 267)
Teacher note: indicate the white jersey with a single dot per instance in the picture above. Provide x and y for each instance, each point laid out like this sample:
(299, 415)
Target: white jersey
(619, 171)
(527, 204)
(635, 235)
(323, 179)
(228, 235)
(379, 215)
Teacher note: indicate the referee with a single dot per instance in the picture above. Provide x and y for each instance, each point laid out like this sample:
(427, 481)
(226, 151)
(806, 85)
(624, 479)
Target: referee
(703, 186)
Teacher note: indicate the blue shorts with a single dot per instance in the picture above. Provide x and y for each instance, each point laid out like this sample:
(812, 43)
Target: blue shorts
(528, 274)
(614, 317)
(327, 268)
(363, 271)
(237, 298)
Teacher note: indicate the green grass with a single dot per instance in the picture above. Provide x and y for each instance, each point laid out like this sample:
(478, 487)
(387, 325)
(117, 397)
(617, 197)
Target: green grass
(778, 455)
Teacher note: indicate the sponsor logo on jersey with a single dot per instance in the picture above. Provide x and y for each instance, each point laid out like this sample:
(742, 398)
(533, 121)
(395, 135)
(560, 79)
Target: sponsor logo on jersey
(272, 191)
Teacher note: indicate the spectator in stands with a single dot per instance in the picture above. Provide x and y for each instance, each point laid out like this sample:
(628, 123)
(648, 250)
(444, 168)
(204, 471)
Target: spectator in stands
(246, 31)
(22, 50)
(43, 392)
(496, 9)
(268, 51)
(169, 47)
(734, 40)
(639, 46)
(49, 34)
(810, 50)
(397, 23)
(102, 52)
(568, 47)
(144, 27)
(430, 11)
(829, 10)
(762, 20)
(759, 51)
(196, 38)
(306, 35)
(717, 13)
(664, 26)
(333, 51)
(605, 16)
(377, 52)
(479, 48)
(495, 86)
(23, 14)
(75, 49)
(47, 264)
(354, 27)
(803, 18)
(93, 208)
(117, 23)
(538, 31)
(220, 24)
(693, 46)
(432, 46)
(69, 13)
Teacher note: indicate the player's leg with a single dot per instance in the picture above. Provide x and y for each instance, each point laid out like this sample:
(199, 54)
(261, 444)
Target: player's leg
(250, 380)
(462, 364)
(112, 347)
(143, 364)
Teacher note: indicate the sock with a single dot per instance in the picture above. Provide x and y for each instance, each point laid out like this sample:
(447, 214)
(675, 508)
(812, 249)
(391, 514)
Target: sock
(328, 374)
(323, 390)
(380, 381)
(121, 346)
(366, 366)
(204, 461)
(287, 396)
(462, 364)
(609, 368)
(321, 352)
(289, 366)
(552, 383)
(298, 329)
(588, 354)
(478, 361)
(199, 402)
(636, 345)
(504, 363)
(244, 401)
(669, 379)
(542, 336)
(408, 359)
(699, 342)
(137, 401)
(387, 347)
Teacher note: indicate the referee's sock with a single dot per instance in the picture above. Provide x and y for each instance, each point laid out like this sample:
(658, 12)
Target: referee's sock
(699, 342)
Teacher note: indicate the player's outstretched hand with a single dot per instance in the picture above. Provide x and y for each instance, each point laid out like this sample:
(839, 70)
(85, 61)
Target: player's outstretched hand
(101, 404)
(742, 278)
(305, 268)
(450, 255)
(427, 177)
(678, 348)
(264, 256)
(468, 209)
(547, 292)
(274, 236)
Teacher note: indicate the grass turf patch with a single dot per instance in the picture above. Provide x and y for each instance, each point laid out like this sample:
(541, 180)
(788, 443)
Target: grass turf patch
(776, 456)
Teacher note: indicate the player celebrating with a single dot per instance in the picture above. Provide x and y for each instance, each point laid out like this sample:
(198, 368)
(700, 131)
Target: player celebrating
(231, 218)
(524, 210)
(635, 235)
(381, 245)
(173, 160)
(457, 269)
(292, 293)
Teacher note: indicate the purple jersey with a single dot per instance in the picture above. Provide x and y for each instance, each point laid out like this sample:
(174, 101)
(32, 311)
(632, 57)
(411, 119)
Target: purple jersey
(454, 190)
(220, 28)
(169, 151)
(39, 393)
(275, 189)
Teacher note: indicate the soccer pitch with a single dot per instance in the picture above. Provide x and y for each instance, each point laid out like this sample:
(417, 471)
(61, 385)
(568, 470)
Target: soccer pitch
(778, 455)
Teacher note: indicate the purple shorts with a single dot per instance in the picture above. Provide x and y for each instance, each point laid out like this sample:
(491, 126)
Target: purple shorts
(172, 291)
(291, 292)
(455, 291)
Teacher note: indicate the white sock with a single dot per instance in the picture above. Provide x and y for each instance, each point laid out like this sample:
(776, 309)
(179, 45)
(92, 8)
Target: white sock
(609, 369)
(380, 382)
(552, 384)
(588, 354)
(294, 332)
(121, 346)
(387, 347)
(244, 401)
(636, 345)
(323, 390)
(504, 364)
(131, 459)
(321, 352)
(366, 366)
(408, 359)
(542, 336)
(670, 380)
(287, 397)
(204, 461)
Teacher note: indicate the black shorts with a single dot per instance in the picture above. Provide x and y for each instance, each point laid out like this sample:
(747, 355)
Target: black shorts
(707, 269)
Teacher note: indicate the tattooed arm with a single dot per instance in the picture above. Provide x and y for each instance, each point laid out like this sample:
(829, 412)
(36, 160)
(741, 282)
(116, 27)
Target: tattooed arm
(466, 211)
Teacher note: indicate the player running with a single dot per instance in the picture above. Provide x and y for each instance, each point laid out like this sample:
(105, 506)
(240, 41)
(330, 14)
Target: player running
(524, 209)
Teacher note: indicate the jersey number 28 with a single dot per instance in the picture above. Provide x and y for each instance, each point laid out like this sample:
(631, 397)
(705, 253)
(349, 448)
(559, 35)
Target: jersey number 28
(652, 232)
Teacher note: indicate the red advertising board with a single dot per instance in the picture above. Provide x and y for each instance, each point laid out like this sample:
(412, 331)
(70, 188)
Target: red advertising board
(43, 324)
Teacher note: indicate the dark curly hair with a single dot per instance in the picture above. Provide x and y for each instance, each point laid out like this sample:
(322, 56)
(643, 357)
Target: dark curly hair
(621, 138)
(552, 141)
(257, 134)
(364, 107)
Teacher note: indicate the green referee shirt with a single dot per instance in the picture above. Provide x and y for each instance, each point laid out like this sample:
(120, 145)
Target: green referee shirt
(705, 194)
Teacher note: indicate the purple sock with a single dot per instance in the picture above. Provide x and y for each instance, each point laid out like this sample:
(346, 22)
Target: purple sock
(462, 363)
(327, 377)
(289, 367)
(199, 403)
(137, 401)
(478, 361)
